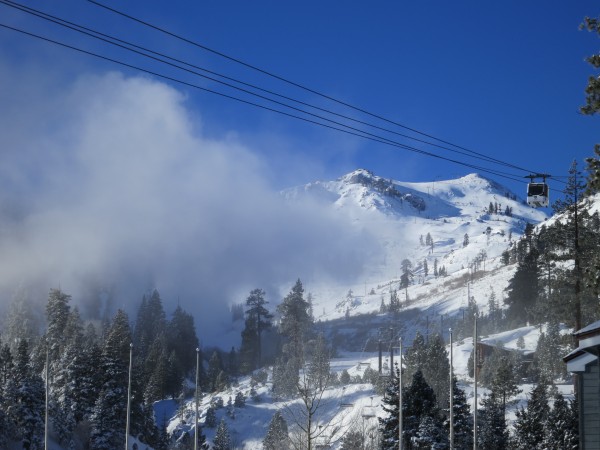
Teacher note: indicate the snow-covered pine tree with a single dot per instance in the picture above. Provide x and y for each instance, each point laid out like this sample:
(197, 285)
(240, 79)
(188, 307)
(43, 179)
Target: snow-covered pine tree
(463, 419)
(415, 356)
(277, 435)
(523, 289)
(531, 423)
(183, 341)
(436, 368)
(25, 393)
(240, 400)
(491, 425)
(211, 417)
(222, 440)
(353, 440)
(388, 426)
(562, 430)
(295, 325)
(319, 364)
(418, 402)
(430, 435)
(505, 379)
(258, 319)
(57, 316)
(548, 355)
(109, 411)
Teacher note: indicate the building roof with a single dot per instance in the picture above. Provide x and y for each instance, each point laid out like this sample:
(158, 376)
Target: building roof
(593, 328)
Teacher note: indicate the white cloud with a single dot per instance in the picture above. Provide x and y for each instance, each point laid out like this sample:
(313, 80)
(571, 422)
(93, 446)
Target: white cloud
(110, 178)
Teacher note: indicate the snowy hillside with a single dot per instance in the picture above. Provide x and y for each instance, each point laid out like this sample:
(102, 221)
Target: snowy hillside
(462, 225)
(402, 215)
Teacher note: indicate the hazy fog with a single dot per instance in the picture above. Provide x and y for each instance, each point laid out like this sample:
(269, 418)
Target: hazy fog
(109, 181)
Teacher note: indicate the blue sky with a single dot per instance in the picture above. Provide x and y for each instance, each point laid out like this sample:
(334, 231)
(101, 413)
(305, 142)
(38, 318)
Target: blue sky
(112, 176)
(503, 78)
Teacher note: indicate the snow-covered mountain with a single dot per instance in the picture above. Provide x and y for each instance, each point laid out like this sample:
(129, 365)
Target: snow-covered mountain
(444, 223)
(462, 225)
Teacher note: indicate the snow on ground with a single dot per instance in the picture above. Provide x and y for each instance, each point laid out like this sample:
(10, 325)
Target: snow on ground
(352, 405)
(447, 210)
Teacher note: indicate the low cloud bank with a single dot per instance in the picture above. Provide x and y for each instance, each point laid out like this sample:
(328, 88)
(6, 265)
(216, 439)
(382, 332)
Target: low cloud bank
(109, 183)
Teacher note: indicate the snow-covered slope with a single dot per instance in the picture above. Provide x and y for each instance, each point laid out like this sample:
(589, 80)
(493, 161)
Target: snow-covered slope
(401, 215)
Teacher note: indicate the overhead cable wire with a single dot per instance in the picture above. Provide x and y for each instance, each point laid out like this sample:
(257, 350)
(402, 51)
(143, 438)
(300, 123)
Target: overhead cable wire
(127, 46)
(292, 83)
(358, 133)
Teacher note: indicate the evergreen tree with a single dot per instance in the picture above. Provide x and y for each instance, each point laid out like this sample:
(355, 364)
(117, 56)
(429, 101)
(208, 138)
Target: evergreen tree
(463, 419)
(388, 426)
(415, 356)
(562, 431)
(531, 423)
(57, 316)
(353, 440)
(592, 105)
(240, 400)
(151, 324)
(109, 411)
(6, 364)
(430, 434)
(394, 306)
(277, 435)
(295, 326)
(505, 379)
(157, 370)
(182, 339)
(25, 395)
(491, 425)
(295, 320)
(258, 319)
(548, 355)
(222, 439)
(344, 378)
(319, 364)
(215, 367)
(523, 289)
(436, 368)
(211, 417)
(419, 402)
(21, 323)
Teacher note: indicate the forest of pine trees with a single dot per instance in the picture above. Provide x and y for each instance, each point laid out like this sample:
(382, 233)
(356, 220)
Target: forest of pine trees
(87, 373)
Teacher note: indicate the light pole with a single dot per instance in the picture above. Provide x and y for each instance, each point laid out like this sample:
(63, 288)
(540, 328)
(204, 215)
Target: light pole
(451, 396)
(47, 394)
(197, 382)
(128, 398)
(475, 367)
(400, 395)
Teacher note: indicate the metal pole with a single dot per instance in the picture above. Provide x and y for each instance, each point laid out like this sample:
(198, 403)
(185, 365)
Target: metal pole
(197, 380)
(47, 394)
(400, 418)
(128, 398)
(451, 396)
(391, 354)
(475, 367)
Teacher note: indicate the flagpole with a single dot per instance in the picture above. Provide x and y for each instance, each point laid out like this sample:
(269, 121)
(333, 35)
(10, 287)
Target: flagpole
(400, 396)
(197, 380)
(451, 396)
(128, 398)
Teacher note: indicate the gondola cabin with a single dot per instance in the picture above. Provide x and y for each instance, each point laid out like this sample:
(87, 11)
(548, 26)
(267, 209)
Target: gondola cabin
(537, 195)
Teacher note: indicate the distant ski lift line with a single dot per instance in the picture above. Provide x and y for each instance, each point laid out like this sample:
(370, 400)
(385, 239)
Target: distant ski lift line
(293, 83)
(363, 133)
